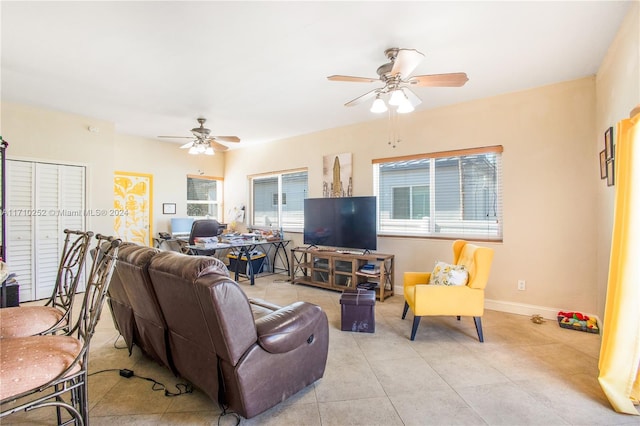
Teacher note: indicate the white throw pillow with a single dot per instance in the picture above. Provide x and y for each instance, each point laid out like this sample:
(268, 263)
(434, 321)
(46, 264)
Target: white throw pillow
(447, 274)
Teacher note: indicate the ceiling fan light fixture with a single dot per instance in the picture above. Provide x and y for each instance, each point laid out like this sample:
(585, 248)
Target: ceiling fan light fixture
(378, 106)
(397, 97)
(202, 142)
(405, 107)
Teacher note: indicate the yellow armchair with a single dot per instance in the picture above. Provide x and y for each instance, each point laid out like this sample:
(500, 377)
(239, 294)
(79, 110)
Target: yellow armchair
(464, 300)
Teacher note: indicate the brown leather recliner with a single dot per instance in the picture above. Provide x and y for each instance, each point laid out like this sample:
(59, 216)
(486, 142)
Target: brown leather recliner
(150, 330)
(248, 364)
(120, 306)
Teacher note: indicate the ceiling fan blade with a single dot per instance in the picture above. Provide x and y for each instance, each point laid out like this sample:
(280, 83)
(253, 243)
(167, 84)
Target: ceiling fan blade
(187, 145)
(406, 61)
(352, 79)
(176, 137)
(362, 98)
(226, 138)
(454, 79)
(218, 146)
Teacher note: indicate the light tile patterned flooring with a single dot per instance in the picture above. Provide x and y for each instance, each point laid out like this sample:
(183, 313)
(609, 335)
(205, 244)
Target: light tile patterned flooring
(523, 374)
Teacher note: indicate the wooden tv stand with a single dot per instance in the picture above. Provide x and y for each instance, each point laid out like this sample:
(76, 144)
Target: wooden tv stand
(336, 270)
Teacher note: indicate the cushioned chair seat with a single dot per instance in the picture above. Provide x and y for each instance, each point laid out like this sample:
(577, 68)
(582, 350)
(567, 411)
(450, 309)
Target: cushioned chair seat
(27, 320)
(443, 300)
(29, 362)
(54, 316)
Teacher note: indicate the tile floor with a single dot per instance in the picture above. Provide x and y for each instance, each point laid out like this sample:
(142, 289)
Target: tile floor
(523, 374)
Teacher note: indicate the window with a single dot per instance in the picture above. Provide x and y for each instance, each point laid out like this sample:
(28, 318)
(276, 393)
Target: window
(278, 200)
(203, 196)
(454, 194)
(410, 202)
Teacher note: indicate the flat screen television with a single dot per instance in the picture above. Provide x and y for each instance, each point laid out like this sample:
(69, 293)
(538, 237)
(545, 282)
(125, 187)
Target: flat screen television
(348, 222)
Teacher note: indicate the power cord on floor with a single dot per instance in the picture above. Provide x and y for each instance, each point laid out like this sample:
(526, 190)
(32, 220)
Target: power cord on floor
(225, 413)
(115, 344)
(183, 388)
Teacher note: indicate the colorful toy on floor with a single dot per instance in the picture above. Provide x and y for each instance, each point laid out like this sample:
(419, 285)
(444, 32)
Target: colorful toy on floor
(578, 321)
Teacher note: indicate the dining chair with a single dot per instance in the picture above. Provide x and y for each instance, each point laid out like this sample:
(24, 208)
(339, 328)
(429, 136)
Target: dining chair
(54, 316)
(51, 370)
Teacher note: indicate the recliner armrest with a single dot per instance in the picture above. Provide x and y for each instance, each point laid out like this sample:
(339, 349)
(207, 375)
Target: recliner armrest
(288, 327)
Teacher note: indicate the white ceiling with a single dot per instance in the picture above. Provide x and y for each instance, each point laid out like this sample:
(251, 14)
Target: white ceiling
(258, 69)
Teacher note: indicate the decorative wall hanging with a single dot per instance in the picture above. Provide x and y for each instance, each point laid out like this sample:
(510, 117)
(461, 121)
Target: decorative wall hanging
(132, 194)
(608, 143)
(609, 156)
(336, 176)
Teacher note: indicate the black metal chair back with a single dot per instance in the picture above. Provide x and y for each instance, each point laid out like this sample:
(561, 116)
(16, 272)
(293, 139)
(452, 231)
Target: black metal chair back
(72, 260)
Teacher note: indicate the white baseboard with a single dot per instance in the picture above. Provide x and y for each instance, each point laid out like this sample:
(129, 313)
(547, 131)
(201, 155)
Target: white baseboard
(521, 308)
(524, 309)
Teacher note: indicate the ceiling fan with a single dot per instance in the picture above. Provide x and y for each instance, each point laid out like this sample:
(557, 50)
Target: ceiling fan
(396, 76)
(203, 142)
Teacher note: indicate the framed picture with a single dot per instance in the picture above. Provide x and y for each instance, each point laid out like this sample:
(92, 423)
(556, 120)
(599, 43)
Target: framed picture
(608, 144)
(603, 164)
(337, 175)
(168, 208)
(610, 172)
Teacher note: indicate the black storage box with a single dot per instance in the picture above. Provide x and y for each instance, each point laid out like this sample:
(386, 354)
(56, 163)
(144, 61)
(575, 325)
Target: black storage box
(358, 310)
(257, 261)
(10, 295)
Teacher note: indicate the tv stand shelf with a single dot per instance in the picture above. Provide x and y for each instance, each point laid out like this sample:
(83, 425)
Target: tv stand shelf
(336, 270)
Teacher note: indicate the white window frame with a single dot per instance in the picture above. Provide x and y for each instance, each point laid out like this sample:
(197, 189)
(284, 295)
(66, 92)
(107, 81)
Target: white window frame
(290, 226)
(435, 225)
(217, 203)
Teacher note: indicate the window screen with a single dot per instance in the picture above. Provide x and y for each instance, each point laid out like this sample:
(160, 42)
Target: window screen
(455, 194)
(278, 200)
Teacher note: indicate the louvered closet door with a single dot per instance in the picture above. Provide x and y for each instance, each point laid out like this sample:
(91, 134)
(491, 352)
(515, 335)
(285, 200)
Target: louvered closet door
(45, 200)
(47, 242)
(20, 247)
(72, 198)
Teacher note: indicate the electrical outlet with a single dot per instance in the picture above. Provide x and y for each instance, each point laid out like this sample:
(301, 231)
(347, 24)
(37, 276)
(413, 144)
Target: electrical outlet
(522, 285)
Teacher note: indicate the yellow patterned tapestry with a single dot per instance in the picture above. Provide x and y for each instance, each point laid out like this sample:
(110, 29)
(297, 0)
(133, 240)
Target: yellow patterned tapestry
(132, 193)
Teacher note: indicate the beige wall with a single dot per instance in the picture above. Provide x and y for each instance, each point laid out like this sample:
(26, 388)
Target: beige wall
(617, 92)
(557, 212)
(169, 167)
(549, 186)
(52, 136)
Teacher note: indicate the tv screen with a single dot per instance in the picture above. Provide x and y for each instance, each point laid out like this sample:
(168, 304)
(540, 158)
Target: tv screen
(348, 222)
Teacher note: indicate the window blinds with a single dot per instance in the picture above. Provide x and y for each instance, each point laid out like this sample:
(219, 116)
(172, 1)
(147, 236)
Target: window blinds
(452, 194)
